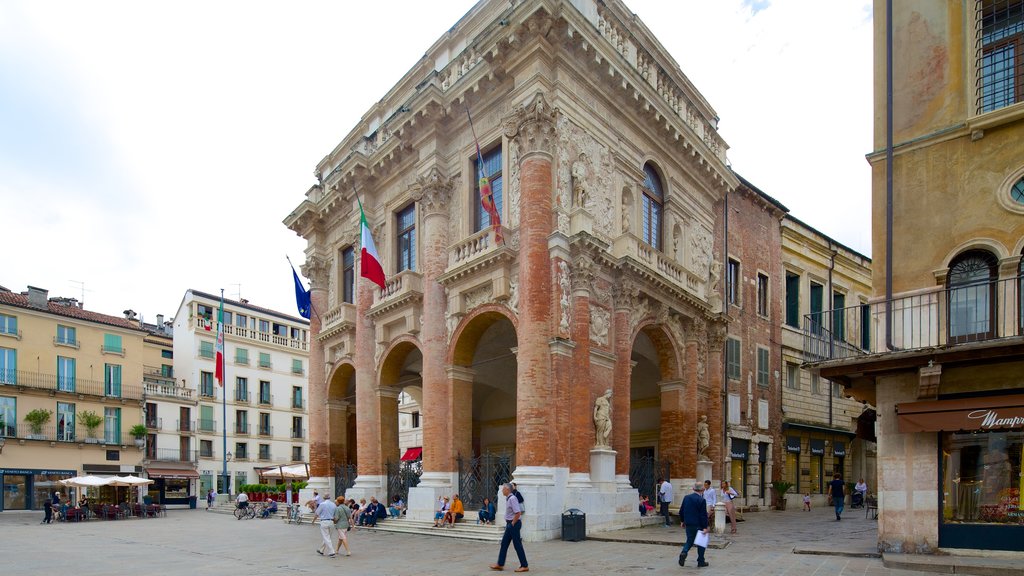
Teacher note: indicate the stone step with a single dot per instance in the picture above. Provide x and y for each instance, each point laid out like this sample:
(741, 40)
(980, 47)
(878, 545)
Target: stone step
(461, 530)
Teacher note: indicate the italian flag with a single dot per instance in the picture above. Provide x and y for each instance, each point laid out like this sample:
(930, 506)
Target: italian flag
(369, 267)
(220, 344)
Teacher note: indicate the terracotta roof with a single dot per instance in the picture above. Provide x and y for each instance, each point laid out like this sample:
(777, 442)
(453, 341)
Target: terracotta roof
(67, 310)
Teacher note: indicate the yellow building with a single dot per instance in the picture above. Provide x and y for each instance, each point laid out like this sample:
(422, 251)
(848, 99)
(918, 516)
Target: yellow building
(947, 357)
(60, 366)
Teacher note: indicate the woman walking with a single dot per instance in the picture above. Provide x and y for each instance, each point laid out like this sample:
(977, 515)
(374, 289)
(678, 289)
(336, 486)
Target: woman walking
(342, 523)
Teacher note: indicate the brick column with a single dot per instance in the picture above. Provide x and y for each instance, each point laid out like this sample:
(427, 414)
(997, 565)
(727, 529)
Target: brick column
(387, 401)
(433, 198)
(367, 407)
(581, 397)
(716, 384)
(625, 296)
(691, 402)
(337, 419)
(671, 432)
(459, 422)
(533, 127)
(316, 269)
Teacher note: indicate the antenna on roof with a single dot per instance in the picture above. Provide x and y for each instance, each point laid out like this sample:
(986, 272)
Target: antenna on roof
(81, 287)
(238, 291)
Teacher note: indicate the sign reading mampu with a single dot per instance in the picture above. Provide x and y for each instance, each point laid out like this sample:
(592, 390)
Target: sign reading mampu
(990, 413)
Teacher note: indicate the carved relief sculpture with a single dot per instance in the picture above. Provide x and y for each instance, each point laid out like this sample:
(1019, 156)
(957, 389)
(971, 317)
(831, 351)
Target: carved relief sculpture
(600, 320)
(714, 283)
(579, 182)
(700, 253)
(703, 438)
(603, 420)
(565, 286)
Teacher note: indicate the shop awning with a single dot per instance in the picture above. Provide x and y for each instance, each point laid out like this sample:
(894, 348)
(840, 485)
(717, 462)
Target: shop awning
(171, 473)
(793, 444)
(412, 454)
(986, 413)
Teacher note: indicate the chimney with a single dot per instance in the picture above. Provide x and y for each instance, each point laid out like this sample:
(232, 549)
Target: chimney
(129, 314)
(37, 297)
(159, 320)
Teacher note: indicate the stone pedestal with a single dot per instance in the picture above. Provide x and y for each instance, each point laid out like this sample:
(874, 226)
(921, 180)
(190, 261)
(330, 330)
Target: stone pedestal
(720, 518)
(320, 483)
(580, 220)
(602, 467)
(367, 486)
(423, 497)
(705, 471)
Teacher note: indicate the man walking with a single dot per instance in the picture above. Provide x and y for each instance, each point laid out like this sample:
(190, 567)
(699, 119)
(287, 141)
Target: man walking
(693, 516)
(837, 490)
(325, 512)
(665, 498)
(513, 529)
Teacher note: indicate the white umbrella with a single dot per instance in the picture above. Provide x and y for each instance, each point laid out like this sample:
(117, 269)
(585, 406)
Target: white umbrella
(86, 481)
(130, 481)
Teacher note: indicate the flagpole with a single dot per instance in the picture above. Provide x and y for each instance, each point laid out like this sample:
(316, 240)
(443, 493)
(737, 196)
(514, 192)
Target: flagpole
(224, 404)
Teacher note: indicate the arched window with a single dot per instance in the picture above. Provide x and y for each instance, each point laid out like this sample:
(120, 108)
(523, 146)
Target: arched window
(653, 200)
(972, 299)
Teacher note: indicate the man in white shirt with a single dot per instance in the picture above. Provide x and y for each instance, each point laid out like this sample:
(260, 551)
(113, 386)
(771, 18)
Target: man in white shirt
(325, 512)
(665, 498)
(242, 501)
(711, 498)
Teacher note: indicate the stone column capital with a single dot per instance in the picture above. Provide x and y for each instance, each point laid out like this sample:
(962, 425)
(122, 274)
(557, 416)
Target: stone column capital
(461, 373)
(532, 127)
(626, 295)
(316, 269)
(388, 392)
(433, 192)
(583, 273)
(671, 385)
(716, 336)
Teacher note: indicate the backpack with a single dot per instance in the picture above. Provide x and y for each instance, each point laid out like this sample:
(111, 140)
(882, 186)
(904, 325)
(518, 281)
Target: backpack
(522, 507)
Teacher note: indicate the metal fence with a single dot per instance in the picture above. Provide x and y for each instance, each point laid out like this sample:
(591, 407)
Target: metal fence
(344, 478)
(481, 476)
(644, 472)
(401, 477)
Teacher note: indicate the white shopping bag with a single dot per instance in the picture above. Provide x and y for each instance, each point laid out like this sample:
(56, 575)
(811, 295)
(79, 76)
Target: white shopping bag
(701, 540)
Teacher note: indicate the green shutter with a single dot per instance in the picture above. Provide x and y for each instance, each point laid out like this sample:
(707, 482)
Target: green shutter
(112, 343)
(793, 300)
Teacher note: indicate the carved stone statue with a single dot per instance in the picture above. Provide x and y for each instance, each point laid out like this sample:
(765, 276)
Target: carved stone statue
(703, 438)
(603, 419)
(579, 182)
(626, 206)
(714, 283)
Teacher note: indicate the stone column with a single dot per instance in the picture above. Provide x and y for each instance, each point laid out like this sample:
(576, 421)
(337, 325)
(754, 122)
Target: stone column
(316, 269)
(533, 128)
(674, 445)
(625, 295)
(459, 423)
(369, 466)
(582, 394)
(716, 384)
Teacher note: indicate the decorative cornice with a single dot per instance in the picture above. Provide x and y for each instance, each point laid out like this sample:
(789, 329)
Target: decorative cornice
(316, 269)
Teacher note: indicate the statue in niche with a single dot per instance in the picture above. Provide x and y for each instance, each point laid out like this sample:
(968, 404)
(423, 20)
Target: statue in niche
(703, 438)
(714, 283)
(579, 182)
(626, 204)
(603, 419)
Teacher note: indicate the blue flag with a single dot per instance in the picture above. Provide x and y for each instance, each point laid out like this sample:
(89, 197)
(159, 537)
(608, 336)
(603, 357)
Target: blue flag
(301, 296)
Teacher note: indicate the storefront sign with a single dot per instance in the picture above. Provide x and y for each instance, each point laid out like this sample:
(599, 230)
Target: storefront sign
(793, 444)
(33, 471)
(838, 449)
(967, 414)
(739, 448)
(817, 447)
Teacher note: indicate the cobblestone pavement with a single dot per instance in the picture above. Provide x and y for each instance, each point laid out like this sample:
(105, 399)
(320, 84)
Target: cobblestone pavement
(194, 542)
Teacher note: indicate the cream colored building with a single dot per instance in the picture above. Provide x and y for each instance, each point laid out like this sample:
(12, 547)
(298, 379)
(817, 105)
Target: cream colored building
(59, 359)
(947, 357)
(819, 423)
(264, 419)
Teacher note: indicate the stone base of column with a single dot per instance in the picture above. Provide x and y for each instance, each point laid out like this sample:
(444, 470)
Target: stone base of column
(423, 497)
(611, 503)
(705, 471)
(602, 467)
(368, 487)
(579, 480)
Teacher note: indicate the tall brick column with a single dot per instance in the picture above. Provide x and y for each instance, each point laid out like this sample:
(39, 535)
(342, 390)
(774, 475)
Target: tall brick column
(387, 399)
(671, 431)
(367, 406)
(459, 424)
(337, 417)
(581, 398)
(316, 269)
(625, 301)
(533, 127)
(433, 198)
(716, 384)
(691, 402)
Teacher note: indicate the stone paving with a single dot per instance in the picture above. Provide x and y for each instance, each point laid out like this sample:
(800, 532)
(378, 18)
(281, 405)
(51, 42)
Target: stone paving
(194, 542)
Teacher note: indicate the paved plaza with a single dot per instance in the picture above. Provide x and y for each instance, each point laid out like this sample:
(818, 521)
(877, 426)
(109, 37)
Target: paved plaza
(194, 542)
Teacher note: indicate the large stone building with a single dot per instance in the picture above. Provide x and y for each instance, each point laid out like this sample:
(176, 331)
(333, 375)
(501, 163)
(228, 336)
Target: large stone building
(946, 354)
(258, 419)
(60, 366)
(609, 174)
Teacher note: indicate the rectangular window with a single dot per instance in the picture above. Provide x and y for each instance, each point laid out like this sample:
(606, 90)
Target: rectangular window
(732, 358)
(296, 366)
(817, 301)
(112, 425)
(241, 320)
(1000, 54)
(837, 389)
(206, 423)
(348, 275)
(265, 360)
(792, 300)
(280, 330)
(8, 366)
(241, 356)
(265, 397)
(265, 424)
(67, 335)
(205, 349)
(264, 326)
(169, 354)
(8, 324)
(206, 384)
(865, 326)
(793, 376)
(112, 344)
(264, 451)
(297, 427)
(204, 311)
(241, 451)
(762, 294)
(185, 419)
(65, 374)
(406, 239)
(732, 282)
(241, 422)
(242, 390)
(167, 371)
(206, 448)
(981, 475)
(8, 416)
(296, 453)
(838, 316)
(415, 419)
(112, 380)
(65, 421)
(734, 408)
(651, 210)
(815, 384)
(150, 415)
(491, 169)
(297, 397)
(762, 414)
(763, 367)
(227, 318)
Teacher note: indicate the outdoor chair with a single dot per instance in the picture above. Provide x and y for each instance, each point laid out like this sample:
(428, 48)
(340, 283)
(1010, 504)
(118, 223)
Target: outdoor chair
(871, 507)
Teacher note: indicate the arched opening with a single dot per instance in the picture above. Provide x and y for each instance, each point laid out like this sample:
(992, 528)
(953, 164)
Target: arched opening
(341, 426)
(654, 366)
(972, 301)
(401, 394)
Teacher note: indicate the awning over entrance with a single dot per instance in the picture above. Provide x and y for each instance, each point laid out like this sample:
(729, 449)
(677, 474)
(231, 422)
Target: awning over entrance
(171, 473)
(412, 454)
(987, 414)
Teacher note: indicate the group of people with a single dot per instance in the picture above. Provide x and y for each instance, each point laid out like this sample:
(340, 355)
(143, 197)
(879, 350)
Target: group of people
(50, 506)
(725, 493)
(336, 519)
(449, 511)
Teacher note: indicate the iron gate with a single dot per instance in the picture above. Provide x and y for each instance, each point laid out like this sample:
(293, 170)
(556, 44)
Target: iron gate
(401, 477)
(344, 478)
(644, 472)
(481, 477)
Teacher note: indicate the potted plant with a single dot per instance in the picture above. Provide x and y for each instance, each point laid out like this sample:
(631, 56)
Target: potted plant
(36, 420)
(91, 421)
(779, 489)
(139, 432)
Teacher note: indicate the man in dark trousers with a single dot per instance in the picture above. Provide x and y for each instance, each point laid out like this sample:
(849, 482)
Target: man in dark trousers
(837, 490)
(512, 535)
(693, 515)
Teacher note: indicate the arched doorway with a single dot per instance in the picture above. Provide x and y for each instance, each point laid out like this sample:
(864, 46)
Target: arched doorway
(400, 385)
(341, 426)
(654, 452)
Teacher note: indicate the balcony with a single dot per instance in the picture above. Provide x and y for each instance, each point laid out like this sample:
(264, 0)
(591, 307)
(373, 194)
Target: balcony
(207, 392)
(266, 400)
(265, 431)
(298, 433)
(115, 350)
(248, 334)
(933, 319)
(339, 318)
(241, 396)
(52, 432)
(158, 373)
(298, 404)
(172, 455)
(264, 456)
(186, 426)
(152, 389)
(665, 268)
(207, 425)
(399, 290)
(72, 385)
(154, 423)
(65, 341)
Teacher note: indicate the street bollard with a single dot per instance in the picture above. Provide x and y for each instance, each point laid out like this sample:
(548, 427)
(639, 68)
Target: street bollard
(720, 518)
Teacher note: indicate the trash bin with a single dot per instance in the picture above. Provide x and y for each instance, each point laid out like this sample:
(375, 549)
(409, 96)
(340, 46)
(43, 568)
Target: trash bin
(192, 502)
(574, 525)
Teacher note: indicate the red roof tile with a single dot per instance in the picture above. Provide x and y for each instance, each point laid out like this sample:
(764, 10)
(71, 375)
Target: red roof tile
(70, 311)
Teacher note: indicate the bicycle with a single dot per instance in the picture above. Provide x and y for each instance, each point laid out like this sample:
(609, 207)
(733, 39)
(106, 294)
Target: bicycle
(294, 514)
(246, 512)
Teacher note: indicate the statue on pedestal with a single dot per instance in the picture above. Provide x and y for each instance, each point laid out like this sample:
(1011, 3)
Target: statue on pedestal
(703, 438)
(603, 419)
(579, 182)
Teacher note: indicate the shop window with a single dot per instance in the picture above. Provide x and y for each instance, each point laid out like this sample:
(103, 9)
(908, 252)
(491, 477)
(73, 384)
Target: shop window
(981, 476)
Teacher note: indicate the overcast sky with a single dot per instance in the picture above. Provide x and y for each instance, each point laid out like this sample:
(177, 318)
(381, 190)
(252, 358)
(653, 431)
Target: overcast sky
(148, 147)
